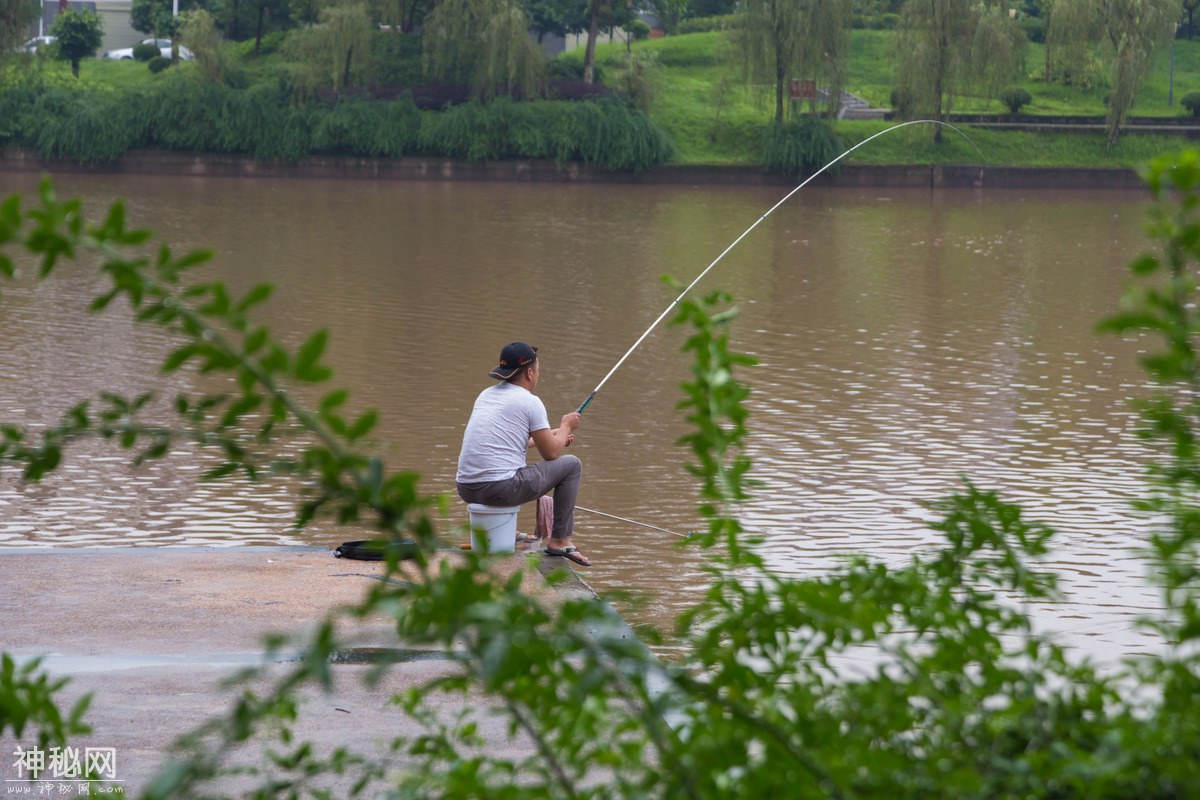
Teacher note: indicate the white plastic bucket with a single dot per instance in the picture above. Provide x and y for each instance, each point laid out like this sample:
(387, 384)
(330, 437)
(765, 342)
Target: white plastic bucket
(499, 525)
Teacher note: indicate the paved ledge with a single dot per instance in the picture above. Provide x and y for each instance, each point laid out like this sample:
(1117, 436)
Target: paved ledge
(154, 632)
(153, 162)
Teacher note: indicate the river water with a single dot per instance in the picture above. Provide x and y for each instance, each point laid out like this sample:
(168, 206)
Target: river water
(907, 338)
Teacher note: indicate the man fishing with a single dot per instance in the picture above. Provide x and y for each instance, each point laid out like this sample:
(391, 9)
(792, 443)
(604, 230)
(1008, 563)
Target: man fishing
(508, 419)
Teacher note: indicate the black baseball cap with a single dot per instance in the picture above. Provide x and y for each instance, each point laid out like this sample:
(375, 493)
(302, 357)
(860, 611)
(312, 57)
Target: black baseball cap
(512, 357)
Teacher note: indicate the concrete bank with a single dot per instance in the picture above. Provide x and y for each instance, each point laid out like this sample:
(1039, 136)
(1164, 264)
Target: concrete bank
(949, 176)
(153, 632)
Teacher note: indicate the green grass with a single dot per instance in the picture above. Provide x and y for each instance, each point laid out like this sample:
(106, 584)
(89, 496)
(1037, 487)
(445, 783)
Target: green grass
(97, 72)
(713, 117)
(915, 145)
(697, 69)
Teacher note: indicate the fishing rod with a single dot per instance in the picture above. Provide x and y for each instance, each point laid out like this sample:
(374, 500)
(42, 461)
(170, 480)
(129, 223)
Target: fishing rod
(633, 522)
(745, 233)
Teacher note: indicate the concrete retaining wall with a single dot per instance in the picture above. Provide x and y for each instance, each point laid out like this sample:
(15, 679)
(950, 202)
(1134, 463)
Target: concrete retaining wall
(151, 162)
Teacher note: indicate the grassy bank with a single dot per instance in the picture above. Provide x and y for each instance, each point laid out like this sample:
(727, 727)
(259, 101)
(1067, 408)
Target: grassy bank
(714, 118)
(709, 114)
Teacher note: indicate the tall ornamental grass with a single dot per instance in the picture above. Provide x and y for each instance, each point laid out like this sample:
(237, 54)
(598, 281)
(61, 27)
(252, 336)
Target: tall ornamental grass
(181, 113)
(605, 133)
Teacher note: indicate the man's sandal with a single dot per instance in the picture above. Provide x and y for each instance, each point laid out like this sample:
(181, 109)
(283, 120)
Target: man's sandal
(571, 554)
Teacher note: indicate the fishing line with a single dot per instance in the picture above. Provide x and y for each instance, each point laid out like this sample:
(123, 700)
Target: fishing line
(633, 522)
(786, 197)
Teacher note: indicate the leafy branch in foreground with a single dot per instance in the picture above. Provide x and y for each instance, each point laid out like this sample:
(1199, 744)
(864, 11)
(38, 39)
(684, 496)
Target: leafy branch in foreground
(922, 681)
(1164, 304)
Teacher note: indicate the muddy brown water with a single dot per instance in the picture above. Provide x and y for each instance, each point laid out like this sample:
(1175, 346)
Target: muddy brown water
(906, 338)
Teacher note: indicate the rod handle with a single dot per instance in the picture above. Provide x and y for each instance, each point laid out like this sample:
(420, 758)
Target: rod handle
(585, 403)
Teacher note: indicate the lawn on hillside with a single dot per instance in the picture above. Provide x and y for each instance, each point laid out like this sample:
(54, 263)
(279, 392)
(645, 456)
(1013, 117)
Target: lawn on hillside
(713, 117)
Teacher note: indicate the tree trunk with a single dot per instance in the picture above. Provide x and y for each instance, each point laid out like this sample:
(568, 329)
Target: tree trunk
(232, 30)
(939, 87)
(589, 53)
(780, 80)
(258, 31)
(346, 72)
(75, 67)
(1048, 65)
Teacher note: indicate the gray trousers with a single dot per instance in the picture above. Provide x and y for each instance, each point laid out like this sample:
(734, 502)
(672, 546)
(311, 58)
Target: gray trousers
(531, 482)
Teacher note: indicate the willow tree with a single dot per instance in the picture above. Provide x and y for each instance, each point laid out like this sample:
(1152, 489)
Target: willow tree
(484, 44)
(784, 39)
(1130, 30)
(15, 18)
(948, 47)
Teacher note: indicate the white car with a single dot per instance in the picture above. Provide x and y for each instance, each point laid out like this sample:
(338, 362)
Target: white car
(37, 43)
(163, 45)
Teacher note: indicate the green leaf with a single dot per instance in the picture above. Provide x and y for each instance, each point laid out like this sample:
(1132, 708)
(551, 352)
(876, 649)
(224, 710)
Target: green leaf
(334, 400)
(311, 351)
(114, 223)
(255, 340)
(179, 357)
(276, 359)
(313, 373)
(228, 468)
(255, 296)
(10, 217)
(243, 406)
(195, 257)
(218, 304)
(363, 425)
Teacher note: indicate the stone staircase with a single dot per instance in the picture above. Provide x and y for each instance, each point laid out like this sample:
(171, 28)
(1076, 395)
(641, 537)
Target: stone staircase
(854, 107)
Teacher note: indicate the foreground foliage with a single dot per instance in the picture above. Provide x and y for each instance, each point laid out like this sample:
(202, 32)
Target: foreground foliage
(921, 681)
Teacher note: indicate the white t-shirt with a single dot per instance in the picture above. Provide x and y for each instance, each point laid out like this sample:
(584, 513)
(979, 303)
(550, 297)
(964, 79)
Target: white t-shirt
(497, 435)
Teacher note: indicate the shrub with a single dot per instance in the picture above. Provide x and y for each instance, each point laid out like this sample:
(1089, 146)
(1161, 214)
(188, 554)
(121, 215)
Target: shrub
(182, 111)
(395, 59)
(1034, 27)
(270, 43)
(364, 127)
(569, 67)
(198, 32)
(1191, 101)
(187, 114)
(886, 22)
(605, 133)
(563, 89)
(705, 24)
(636, 81)
(798, 147)
(636, 28)
(1014, 98)
(158, 64)
(89, 127)
(145, 52)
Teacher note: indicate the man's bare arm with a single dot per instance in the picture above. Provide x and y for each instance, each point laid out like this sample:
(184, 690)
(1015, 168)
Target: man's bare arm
(551, 442)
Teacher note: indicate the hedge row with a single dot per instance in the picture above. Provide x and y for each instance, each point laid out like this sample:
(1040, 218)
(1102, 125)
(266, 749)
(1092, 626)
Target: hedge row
(185, 114)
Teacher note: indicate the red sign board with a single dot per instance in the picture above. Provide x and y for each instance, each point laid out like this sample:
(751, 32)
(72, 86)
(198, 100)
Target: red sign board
(799, 89)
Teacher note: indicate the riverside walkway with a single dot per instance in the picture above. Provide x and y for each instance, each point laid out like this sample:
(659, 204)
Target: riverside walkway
(153, 633)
